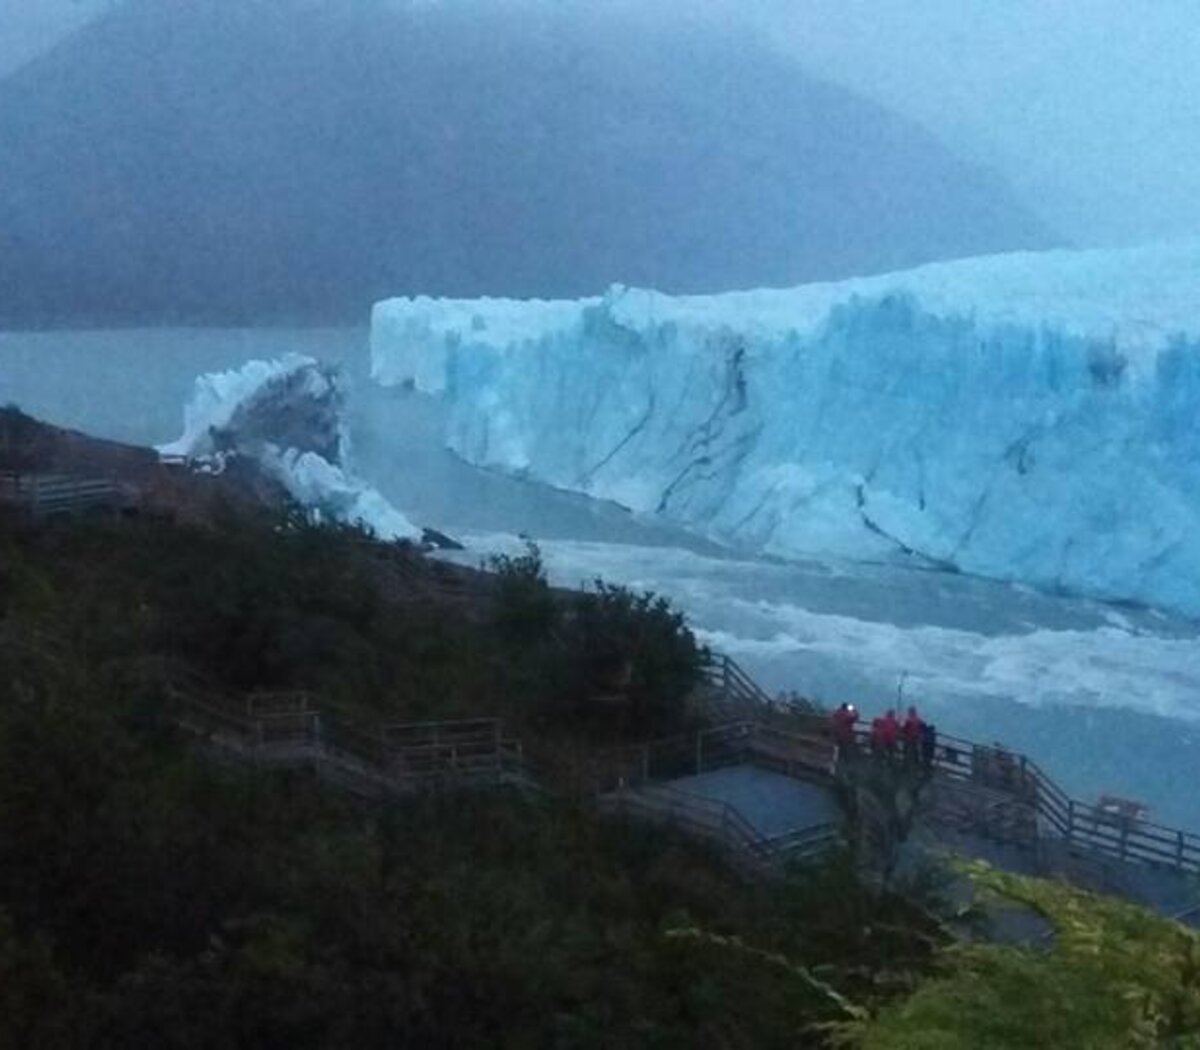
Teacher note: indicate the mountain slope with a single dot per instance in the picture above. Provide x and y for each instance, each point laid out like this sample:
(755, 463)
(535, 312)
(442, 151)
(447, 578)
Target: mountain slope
(214, 159)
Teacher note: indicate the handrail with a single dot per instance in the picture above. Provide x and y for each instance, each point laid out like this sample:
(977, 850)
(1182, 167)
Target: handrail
(268, 702)
(48, 493)
(1187, 913)
(435, 748)
(724, 671)
(327, 739)
(804, 841)
(729, 818)
(416, 734)
(729, 822)
(1081, 825)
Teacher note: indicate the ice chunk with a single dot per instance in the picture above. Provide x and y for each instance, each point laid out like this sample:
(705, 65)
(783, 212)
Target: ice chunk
(288, 415)
(220, 398)
(316, 483)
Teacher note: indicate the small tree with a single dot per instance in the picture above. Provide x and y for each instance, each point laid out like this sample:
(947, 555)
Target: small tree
(640, 643)
(524, 609)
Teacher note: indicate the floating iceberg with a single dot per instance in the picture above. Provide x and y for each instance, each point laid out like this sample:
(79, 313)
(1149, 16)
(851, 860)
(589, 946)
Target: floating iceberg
(287, 414)
(1028, 417)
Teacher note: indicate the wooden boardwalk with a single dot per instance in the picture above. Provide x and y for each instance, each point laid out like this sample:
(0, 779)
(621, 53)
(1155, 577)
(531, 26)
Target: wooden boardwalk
(762, 791)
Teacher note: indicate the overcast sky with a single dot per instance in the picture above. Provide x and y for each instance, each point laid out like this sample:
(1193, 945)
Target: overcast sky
(1091, 108)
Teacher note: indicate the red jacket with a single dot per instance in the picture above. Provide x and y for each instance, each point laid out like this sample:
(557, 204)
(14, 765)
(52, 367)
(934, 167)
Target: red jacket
(890, 729)
(912, 728)
(878, 733)
(843, 724)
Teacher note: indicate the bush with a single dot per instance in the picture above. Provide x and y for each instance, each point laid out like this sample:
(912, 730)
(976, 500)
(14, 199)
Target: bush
(640, 644)
(524, 609)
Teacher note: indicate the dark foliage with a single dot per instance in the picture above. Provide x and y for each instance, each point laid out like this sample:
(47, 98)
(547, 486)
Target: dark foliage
(149, 897)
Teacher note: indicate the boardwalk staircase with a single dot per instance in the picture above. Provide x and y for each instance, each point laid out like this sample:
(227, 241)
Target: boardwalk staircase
(285, 730)
(727, 693)
(974, 792)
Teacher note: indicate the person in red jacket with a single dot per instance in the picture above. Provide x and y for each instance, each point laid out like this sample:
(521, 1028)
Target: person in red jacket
(844, 720)
(878, 745)
(910, 732)
(890, 728)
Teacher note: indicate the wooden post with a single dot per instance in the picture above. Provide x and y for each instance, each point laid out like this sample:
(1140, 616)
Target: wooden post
(699, 754)
(1179, 849)
(645, 762)
(1070, 820)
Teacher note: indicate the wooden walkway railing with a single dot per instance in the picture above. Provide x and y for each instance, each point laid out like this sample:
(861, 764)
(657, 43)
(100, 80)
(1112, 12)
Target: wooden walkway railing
(723, 673)
(1023, 802)
(995, 780)
(734, 743)
(284, 729)
(722, 822)
(42, 495)
(632, 779)
(995, 773)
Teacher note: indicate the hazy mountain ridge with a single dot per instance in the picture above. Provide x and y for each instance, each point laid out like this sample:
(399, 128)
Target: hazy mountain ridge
(229, 161)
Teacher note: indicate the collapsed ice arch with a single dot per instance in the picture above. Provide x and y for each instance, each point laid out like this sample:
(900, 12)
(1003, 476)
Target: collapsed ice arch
(288, 414)
(1028, 417)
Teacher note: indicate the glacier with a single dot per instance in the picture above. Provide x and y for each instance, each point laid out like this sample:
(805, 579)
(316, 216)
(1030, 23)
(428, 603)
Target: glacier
(289, 415)
(1029, 417)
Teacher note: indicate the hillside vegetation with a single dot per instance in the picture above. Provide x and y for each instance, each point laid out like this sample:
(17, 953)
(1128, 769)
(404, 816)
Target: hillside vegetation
(152, 897)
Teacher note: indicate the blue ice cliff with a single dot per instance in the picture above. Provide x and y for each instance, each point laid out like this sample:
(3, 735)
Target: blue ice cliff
(1030, 417)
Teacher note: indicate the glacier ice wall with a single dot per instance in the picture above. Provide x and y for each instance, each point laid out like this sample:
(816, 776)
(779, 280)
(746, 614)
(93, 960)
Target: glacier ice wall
(1029, 417)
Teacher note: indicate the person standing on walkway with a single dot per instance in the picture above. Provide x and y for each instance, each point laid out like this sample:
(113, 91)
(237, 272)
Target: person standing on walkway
(910, 732)
(891, 732)
(844, 720)
(928, 745)
(878, 745)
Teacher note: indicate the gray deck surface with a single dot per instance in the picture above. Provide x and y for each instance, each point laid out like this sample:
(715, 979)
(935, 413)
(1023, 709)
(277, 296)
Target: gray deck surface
(773, 803)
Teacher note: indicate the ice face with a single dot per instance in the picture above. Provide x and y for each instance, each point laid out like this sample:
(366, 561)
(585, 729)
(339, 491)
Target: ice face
(1027, 417)
(291, 401)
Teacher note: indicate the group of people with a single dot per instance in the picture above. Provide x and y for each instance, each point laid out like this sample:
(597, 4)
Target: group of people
(913, 738)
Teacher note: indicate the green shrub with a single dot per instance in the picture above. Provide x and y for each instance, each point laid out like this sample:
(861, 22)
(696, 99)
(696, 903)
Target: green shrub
(637, 643)
(524, 609)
